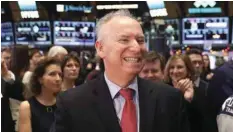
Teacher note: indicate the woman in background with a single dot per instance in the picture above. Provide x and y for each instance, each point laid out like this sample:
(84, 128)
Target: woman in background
(70, 68)
(35, 55)
(37, 113)
(179, 73)
(207, 73)
(57, 52)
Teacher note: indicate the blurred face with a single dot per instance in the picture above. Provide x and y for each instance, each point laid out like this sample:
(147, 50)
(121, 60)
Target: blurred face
(122, 47)
(152, 71)
(60, 56)
(6, 56)
(36, 58)
(52, 79)
(71, 69)
(178, 70)
(197, 63)
(206, 61)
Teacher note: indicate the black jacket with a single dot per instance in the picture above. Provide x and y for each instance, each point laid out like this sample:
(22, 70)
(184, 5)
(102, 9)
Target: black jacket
(89, 108)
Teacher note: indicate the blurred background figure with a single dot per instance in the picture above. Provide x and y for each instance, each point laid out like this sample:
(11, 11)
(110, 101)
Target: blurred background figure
(207, 74)
(219, 61)
(96, 70)
(6, 57)
(58, 52)
(225, 117)
(37, 113)
(153, 67)
(35, 56)
(71, 69)
(220, 87)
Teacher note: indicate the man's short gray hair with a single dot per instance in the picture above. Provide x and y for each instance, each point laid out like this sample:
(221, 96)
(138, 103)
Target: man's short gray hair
(108, 17)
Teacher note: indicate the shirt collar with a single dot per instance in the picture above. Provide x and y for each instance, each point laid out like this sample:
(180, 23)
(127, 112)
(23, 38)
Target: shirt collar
(114, 88)
(197, 82)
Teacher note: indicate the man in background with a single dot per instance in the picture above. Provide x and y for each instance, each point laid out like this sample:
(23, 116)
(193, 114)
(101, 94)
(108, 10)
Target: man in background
(153, 68)
(201, 114)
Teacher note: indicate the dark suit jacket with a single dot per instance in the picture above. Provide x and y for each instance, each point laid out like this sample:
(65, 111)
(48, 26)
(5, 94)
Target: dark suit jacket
(89, 108)
(9, 90)
(199, 112)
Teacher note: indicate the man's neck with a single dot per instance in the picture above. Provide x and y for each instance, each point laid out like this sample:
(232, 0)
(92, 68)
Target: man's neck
(121, 80)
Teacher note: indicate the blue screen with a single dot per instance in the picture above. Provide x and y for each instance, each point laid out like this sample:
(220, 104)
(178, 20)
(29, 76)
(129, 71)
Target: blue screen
(33, 33)
(7, 37)
(74, 33)
(213, 30)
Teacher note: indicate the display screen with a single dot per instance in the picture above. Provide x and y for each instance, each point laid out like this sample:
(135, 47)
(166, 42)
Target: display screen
(213, 30)
(7, 37)
(33, 33)
(232, 34)
(74, 33)
(172, 29)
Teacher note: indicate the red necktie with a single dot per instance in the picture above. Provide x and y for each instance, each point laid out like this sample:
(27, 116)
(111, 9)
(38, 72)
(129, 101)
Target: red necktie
(128, 119)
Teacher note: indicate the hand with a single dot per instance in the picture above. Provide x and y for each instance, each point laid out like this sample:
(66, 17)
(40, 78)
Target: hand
(5, 72)
(4, 68)
(186, 86)
(209, 76)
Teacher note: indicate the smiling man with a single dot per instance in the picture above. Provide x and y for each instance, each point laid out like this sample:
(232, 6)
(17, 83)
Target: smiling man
(118, 100)
(153, 68)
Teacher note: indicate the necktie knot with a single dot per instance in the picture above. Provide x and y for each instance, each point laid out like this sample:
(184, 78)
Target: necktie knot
(127, 93)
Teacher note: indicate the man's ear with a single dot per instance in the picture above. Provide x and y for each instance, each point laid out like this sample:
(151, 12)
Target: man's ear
(99, 49)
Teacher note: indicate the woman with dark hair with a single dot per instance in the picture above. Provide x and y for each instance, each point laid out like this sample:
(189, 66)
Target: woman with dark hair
(207, 74)
(35, 55)
(37, 113)
(70, 68)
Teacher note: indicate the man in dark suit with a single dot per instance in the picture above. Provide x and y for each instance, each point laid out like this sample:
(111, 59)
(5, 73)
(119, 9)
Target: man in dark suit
(119, 101)
(198, 110)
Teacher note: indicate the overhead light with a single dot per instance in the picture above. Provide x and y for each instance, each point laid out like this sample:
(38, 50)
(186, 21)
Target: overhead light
(204, 3)
(158, 12)
(123, 6)
(60, 8)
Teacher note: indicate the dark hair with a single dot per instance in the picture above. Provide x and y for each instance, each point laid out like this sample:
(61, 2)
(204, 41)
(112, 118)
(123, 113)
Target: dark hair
(6, 50)
(39, 72)
(187, 63)
(152, 56)
(32, 52)
(70, 56)
(194, 51)
(206, 69)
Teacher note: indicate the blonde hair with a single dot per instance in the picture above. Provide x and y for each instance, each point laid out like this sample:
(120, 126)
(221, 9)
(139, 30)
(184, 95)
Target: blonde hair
(53, 51)
(108, 17)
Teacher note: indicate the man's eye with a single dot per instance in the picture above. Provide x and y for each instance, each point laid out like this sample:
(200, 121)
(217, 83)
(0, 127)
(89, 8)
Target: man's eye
(140, 41)
(124, 40)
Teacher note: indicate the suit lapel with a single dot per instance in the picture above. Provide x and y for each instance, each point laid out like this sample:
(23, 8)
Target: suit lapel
(103, 104)
(147, 105)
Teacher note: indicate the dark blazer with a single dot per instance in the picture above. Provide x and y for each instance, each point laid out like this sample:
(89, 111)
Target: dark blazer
(9, 90)
(89, 108)
(199, 112)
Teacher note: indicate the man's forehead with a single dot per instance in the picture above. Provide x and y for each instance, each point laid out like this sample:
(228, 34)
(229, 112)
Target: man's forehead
(195, 56)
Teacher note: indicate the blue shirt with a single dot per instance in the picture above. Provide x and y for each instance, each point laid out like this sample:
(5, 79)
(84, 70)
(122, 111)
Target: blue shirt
(119, 101)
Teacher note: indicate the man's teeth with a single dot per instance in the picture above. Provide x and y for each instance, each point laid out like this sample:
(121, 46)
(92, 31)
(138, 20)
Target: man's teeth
(132, 59)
